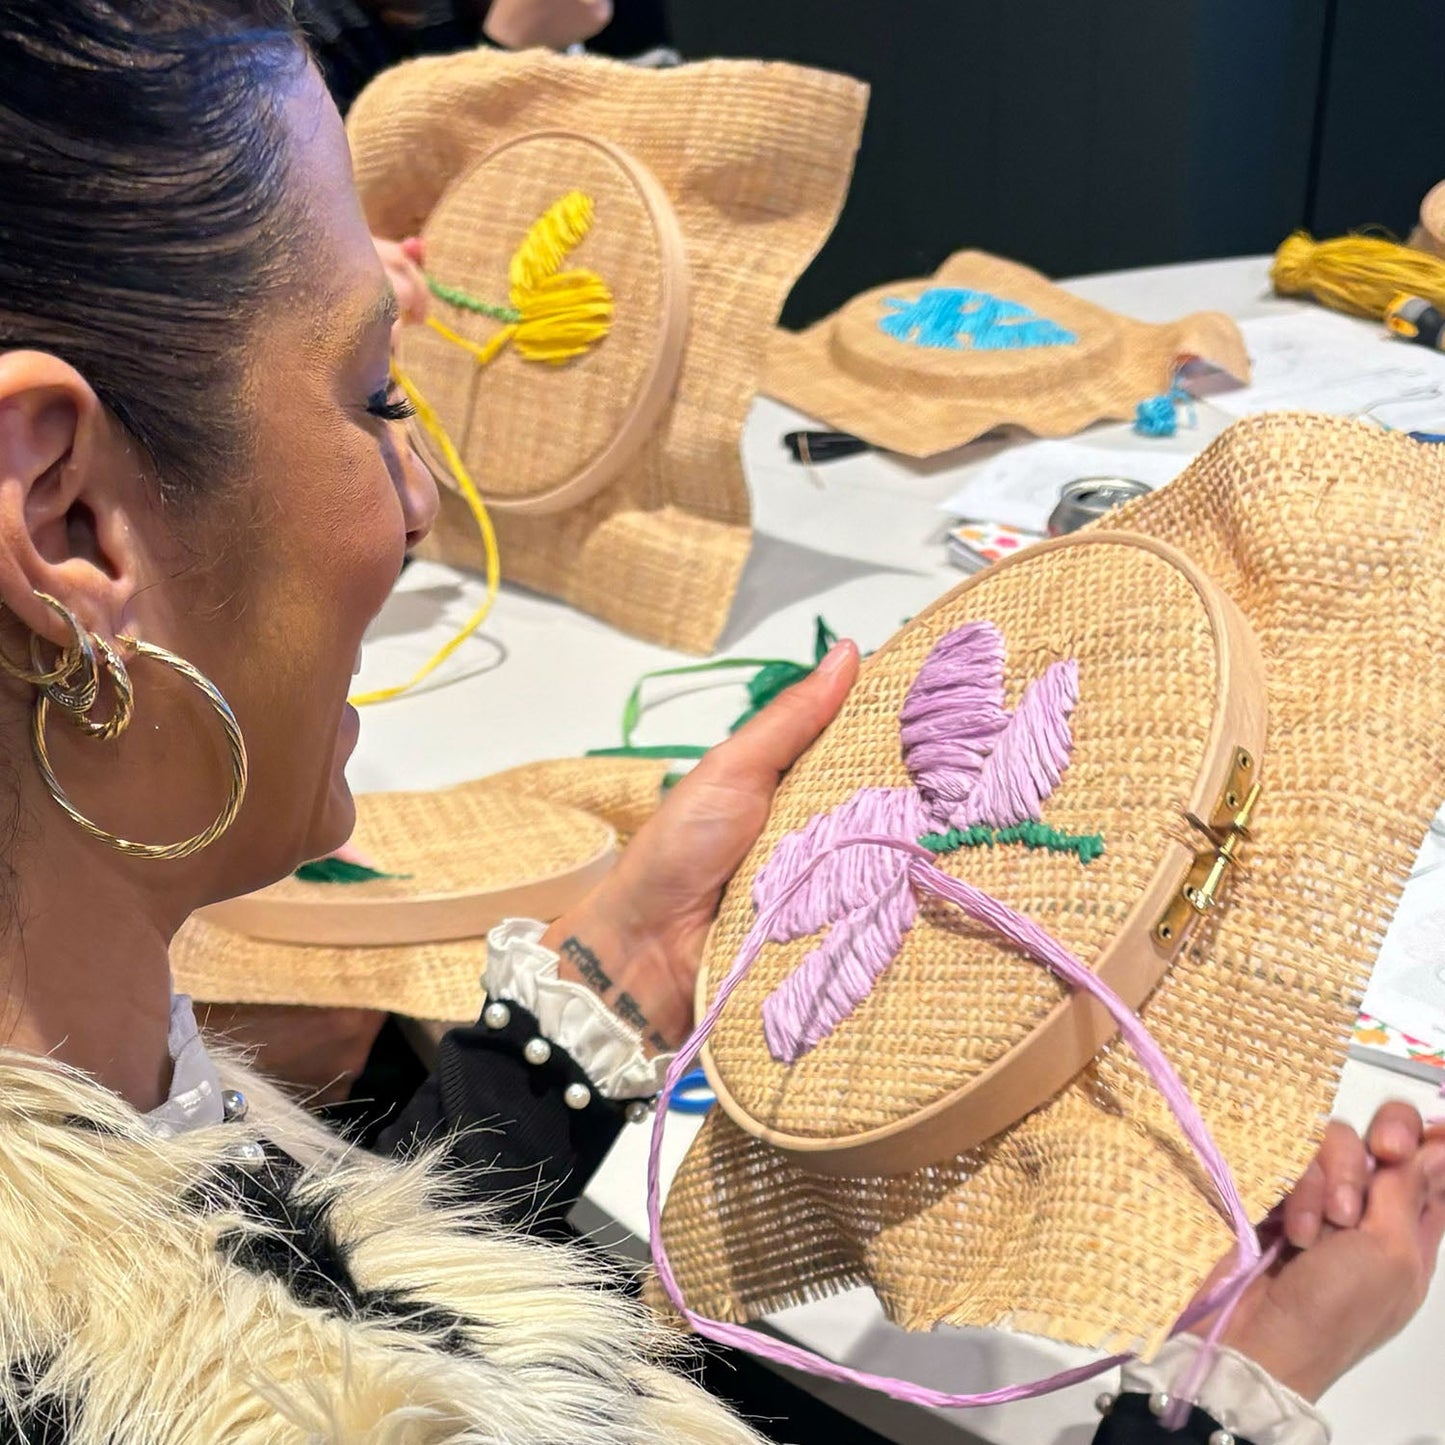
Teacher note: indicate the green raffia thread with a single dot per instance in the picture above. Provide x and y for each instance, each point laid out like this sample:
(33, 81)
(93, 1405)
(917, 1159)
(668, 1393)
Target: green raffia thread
(772, 675)
(1087, 846)
(338, 870)
(454, 296)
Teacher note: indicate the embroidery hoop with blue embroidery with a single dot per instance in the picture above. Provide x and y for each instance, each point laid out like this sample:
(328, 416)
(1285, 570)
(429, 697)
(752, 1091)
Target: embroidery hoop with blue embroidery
(920, 367)
(953, 318)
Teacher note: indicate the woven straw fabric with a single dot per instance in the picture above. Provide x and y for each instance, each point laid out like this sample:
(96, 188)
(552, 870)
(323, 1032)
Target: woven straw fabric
(477, 837)
(514, 449)
(920, 401)
(623, 792)
(955, 1000)
(756, 160)
(1087, 1221)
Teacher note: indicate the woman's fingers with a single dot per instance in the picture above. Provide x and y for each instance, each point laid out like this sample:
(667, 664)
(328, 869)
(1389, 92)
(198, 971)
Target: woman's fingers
(774, 740)
(1346, 1165)
(1394, 1132)
(1405, 1200)
(402, 262)
(1432, 1217)
(1304, 1209)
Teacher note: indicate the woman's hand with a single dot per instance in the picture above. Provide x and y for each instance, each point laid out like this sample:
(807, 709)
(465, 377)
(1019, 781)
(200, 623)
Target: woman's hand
(638, 938)
(402, 261)
(1364, 1226)
(553, 24)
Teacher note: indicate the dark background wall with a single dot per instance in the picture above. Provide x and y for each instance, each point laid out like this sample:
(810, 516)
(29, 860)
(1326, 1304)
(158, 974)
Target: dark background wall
(1086, 135)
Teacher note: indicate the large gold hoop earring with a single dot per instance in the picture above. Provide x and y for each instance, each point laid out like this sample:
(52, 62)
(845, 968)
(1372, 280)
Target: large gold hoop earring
(187, 846)
(77, 656)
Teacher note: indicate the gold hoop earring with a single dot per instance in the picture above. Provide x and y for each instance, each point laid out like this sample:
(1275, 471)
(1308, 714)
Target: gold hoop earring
(78, 704)
(78, 655)
(187, 846)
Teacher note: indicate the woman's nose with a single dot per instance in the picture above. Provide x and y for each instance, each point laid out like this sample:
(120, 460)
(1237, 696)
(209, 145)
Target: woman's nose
(419, 499)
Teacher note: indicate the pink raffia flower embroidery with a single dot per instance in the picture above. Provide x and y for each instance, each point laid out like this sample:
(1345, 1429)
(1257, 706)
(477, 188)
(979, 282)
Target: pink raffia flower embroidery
(974, 766)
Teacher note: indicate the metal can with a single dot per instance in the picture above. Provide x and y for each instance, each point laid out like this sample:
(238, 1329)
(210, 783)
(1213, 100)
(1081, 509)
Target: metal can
(1087, 499)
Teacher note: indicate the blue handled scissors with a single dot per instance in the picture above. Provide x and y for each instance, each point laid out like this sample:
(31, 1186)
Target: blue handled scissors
(693, 1094)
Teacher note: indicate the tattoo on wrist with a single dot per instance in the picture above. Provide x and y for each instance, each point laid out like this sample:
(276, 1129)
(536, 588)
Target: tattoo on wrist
(627, 1008)
(630, 1012)
(586, 963)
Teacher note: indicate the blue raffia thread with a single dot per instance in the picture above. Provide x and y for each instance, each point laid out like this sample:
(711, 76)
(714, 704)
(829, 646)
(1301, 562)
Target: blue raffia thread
(1159, 415)
(1156, 417)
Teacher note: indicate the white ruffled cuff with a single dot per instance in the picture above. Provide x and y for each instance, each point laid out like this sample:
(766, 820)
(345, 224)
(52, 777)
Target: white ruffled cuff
(1244, 1397)
(569, 1015)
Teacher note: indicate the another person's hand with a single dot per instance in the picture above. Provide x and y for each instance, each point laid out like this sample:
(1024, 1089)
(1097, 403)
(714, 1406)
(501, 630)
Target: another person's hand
(551, 24)
(638, 938)
(402, 261)
(1363, 1226)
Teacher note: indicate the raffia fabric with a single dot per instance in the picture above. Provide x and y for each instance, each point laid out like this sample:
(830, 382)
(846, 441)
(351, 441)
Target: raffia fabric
(1086, 1222)
(922, 400)
(623, 792)
(481, 835)
(756, 160)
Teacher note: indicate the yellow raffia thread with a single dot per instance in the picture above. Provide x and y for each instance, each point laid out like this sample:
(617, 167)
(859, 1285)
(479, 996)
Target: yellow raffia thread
(482, 354)
(555, 315)
(564, 313)
(431, 424)
(561, 314)
(1357, 274)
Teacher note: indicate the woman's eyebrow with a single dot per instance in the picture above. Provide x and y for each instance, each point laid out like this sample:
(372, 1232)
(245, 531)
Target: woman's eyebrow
(382, 313)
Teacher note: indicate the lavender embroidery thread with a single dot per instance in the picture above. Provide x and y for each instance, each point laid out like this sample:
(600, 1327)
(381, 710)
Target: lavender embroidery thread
(953, 715)
(1029, 757)
(1251, 1260)
(974, 765)
(862, 893)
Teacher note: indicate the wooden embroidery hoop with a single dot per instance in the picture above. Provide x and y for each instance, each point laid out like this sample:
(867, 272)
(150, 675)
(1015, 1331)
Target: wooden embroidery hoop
(1027, 1075)
(625, 193)
(392, 912)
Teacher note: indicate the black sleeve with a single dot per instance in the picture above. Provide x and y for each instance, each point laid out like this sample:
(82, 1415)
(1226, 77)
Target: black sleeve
(354, 41)
(506, 1122)
(1131, 1422)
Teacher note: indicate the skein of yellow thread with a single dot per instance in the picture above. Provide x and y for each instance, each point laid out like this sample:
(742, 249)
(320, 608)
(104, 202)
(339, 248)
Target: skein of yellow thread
(1360, 275)
(431, 424)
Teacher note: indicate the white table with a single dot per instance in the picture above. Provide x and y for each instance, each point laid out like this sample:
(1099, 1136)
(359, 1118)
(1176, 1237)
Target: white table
(859, 542)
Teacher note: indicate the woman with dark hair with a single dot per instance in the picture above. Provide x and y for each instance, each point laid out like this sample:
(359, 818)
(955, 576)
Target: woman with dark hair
(204, 499)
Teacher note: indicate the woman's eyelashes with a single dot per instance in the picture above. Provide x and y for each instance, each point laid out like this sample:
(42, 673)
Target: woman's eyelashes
(390, 404)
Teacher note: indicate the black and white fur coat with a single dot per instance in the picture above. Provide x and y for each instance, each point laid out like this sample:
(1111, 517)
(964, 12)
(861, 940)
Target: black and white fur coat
(173, 1292)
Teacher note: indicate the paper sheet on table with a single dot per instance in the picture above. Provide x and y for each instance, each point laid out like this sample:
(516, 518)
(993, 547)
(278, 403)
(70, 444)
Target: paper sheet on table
(1320, 361)
(1019, 486)
(1407, 988)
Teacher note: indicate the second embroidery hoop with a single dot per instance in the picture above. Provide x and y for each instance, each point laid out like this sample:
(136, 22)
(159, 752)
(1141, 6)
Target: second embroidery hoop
(539, 438)
(860, 1104)
(452, 864)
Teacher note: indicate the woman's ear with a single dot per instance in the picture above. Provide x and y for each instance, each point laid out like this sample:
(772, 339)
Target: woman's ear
(70, 480)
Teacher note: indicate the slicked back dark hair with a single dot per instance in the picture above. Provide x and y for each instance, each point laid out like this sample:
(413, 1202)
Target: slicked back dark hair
(142, 205)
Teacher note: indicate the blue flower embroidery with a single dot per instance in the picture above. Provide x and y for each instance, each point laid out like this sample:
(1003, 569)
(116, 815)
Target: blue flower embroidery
(944, 315)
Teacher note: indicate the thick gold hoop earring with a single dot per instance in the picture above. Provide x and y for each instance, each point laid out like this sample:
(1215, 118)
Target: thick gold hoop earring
(77, 656)
(234, 741)
(78, 704)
